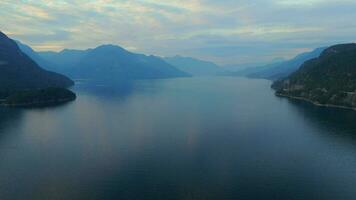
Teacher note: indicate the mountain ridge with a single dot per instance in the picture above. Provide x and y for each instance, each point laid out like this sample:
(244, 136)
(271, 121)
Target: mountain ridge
(19, 71)
(109, 62)
(279, 69)
(23, 81)
(114, 62)
(329, 80)
(194, 66)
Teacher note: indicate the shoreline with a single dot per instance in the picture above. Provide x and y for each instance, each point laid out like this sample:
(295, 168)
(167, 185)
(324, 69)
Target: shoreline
(315, 103)
(39, 104)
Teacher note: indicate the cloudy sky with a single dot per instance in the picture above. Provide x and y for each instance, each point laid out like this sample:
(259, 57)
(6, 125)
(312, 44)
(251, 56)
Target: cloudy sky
(224, 31)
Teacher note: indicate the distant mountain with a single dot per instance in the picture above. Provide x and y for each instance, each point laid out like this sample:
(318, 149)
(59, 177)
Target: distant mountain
(194, 66)
(248, 71)
(61, 62)
(34, 56)
(64, 61)
(18, 71)
(276, 69)
(110, 62)
(250, 67)
(327, 80)
(279, 70)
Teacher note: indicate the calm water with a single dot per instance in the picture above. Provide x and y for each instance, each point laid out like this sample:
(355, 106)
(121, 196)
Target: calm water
(194, 138)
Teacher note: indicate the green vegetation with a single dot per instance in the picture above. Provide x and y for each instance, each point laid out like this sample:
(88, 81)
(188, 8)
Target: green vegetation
(40, 97)
(327, 80)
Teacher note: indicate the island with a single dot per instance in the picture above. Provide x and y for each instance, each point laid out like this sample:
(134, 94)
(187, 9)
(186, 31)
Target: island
(329, 80)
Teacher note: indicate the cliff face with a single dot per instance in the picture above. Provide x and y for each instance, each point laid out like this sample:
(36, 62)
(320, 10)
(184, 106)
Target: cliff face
(329, 79)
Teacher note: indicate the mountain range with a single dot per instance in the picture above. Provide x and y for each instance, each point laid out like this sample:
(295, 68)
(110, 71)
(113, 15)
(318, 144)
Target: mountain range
(279, 69)
(105, 63)
(329, 79)
(18, 71)
(24, 83)
(324, 76)
(194, 66)
(285, 68)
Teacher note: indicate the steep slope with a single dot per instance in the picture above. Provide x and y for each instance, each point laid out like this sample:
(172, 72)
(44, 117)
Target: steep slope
(34, 56)
(284, 69)
(18, 71)
(194, 66)
(327, 80)
(112, 63)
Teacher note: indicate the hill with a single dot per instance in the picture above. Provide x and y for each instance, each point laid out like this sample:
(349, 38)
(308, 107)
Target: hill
(20, 75)
(18, 71)
(327, 80)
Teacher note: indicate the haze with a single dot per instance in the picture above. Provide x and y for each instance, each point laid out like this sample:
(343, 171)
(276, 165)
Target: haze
(224, 31)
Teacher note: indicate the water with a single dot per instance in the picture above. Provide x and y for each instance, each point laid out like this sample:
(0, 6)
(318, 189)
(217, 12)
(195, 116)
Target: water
(193, 138)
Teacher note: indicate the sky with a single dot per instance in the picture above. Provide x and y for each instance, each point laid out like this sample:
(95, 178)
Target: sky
(227, 32)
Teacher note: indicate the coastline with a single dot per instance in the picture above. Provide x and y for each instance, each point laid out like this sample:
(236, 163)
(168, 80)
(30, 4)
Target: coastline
(39, 103)
(316, 103)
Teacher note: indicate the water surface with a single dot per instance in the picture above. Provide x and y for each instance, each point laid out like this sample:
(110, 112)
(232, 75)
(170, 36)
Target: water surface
(190, 138)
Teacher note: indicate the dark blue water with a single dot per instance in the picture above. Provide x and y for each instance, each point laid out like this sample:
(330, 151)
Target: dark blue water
(194, 138)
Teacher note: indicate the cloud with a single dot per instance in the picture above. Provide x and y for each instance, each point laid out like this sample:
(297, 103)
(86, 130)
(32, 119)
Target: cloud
(225, 31)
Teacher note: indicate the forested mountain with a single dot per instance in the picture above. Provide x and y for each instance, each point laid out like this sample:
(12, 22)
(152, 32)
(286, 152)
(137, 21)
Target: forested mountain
(284, 69)
(327, 80)
(18, 71)
(278, 69)
(24, 83)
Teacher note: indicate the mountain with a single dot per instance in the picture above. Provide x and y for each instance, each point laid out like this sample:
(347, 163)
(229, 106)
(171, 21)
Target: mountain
(329, 79)
(106, 62)
(110, 63)
(24, 83)
(194, 66)
(64, 61)
(18, 71)
(279, 70)
(276, 69)
(59, 62)
(252, 69)
(34, 56)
